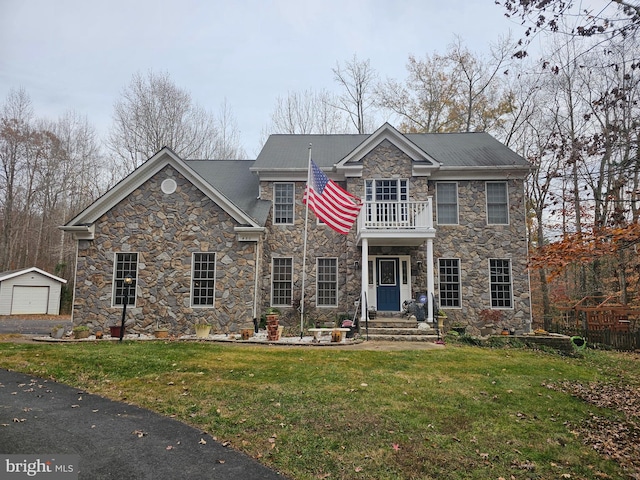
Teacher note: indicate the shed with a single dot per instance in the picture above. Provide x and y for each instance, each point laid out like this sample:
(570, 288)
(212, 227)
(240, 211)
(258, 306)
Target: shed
(30, 291)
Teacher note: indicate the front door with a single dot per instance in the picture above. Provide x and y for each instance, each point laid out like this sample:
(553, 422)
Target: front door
(387, 285)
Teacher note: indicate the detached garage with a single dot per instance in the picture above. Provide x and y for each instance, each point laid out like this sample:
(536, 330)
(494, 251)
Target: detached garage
(29, 292)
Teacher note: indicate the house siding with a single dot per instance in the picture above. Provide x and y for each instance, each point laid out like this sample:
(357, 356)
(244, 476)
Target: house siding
(166, 230)
(474, 243)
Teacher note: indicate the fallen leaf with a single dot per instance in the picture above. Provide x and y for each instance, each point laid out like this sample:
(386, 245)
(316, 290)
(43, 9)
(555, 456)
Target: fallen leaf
(221, 461)
(396, 447)
(358, 469)
(139, 433)
(75, 406)
(169, 447)
(202, 441)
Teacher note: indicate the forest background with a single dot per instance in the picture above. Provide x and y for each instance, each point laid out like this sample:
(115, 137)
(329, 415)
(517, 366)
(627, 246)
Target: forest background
(572, 109)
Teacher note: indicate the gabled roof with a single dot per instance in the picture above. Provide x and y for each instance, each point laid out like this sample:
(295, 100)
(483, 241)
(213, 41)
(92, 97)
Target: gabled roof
(234, 179)
(473, 150)
(143, 173)
(16, 273)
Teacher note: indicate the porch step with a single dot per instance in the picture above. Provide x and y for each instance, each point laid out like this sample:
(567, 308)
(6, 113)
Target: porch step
(401, 338)
(392, 322)
(398, 328)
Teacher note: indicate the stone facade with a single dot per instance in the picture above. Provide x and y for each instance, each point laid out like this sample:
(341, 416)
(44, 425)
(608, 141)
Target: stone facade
(472, 241)
(165, 230)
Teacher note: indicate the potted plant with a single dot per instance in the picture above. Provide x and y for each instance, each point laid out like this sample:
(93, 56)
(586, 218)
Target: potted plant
(160, 332)
(57, 331)
(272, 315)
(459, 328)
(202, 329)
(81, 331)
(372, 313)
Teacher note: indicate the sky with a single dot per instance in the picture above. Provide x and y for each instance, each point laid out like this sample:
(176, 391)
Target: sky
(80, 54)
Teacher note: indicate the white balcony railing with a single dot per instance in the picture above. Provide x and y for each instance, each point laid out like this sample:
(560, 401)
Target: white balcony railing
(397, 216)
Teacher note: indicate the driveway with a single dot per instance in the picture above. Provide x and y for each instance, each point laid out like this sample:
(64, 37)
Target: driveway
(32, 324)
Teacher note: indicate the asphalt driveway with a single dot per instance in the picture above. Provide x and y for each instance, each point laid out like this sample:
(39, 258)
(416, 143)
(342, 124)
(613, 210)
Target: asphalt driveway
(113, 440)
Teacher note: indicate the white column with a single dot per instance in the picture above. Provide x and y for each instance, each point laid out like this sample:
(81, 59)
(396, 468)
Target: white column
(364, 267)
(431, 289)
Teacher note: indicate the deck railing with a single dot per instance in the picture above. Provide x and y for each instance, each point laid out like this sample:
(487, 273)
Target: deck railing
(396, 216)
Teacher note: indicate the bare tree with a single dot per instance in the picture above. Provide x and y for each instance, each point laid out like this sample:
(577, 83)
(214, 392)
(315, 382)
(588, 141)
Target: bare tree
(459, 91)
(307, 112)
(16, 119)
(153, 113)
(357, 78)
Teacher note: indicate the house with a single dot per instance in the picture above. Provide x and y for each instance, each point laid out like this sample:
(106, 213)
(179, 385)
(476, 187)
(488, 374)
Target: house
(30, 291)
(443, 217)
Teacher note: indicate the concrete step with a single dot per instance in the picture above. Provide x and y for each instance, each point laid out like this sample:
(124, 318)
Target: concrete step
(401, 338)
(400, 331)
(392, 322)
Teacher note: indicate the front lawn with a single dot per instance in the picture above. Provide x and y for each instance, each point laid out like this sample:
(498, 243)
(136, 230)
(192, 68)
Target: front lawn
(457, 412)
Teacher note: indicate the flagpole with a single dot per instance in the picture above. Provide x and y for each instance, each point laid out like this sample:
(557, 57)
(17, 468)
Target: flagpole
(304, 248)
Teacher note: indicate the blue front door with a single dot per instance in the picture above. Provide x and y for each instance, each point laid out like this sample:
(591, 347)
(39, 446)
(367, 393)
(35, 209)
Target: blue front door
(387, 285)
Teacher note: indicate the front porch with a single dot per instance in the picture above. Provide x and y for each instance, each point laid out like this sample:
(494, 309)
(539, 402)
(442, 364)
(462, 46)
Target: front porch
(387, 279)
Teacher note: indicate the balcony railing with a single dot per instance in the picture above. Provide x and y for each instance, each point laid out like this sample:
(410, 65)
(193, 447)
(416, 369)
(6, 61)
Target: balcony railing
(396, 216)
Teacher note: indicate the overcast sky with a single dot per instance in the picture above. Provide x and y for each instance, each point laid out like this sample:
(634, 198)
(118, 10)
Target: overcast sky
(80, 54)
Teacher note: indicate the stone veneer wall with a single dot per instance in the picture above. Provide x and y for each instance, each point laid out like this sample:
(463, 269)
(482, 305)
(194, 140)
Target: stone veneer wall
(165, 230)
(473, 242)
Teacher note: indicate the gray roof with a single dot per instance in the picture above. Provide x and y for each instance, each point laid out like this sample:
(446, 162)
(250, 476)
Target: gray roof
(235, 181)
(471, 149)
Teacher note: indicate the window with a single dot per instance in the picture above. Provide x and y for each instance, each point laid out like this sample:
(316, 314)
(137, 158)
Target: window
(283, 203)
(126, 265)
(327, 282)
(386, 194)
(497, 208)
(447, 203)
(449, 271)
(500, 271)
(203, 280)
(282, 281)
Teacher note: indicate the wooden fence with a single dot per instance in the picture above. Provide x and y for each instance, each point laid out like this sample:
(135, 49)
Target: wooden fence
(627, 341)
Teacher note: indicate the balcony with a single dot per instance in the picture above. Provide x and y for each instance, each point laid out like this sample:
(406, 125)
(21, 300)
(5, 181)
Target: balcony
(395, 223)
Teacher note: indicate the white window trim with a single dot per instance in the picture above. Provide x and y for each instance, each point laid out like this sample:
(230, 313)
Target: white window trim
(486, 200)
(459, 284)
(317, 281)
(113, 281)
(293, 213)
(272, 281)
(457, 222)
(512, 299)
(215, 274)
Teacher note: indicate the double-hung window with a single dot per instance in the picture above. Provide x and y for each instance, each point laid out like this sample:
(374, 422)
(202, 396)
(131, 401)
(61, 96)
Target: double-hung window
(203, 280)
(327, 282)
(500, 273)
(126, 265)
(283, 203)
(449, 279)
(497, 203)
(281, 281)
(447, 203)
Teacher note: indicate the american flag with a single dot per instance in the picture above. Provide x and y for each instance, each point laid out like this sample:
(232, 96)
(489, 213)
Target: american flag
(331, 203)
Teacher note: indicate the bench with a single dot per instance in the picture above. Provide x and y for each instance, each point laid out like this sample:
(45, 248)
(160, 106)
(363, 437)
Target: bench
(317, 332)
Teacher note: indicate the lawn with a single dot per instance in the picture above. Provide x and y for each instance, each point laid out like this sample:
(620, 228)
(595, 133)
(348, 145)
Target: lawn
(457, 412)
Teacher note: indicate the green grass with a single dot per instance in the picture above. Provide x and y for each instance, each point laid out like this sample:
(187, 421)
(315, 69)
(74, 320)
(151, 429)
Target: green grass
(457, 412)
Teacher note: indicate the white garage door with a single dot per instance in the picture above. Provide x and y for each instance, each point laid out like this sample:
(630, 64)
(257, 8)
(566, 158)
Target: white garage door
(29, 300)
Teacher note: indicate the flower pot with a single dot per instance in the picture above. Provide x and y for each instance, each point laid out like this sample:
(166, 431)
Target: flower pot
(99, 334)
(202, 331)
(57, 332)
(246, 333)
(161, 333)
(81, 334)
(114, 331)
